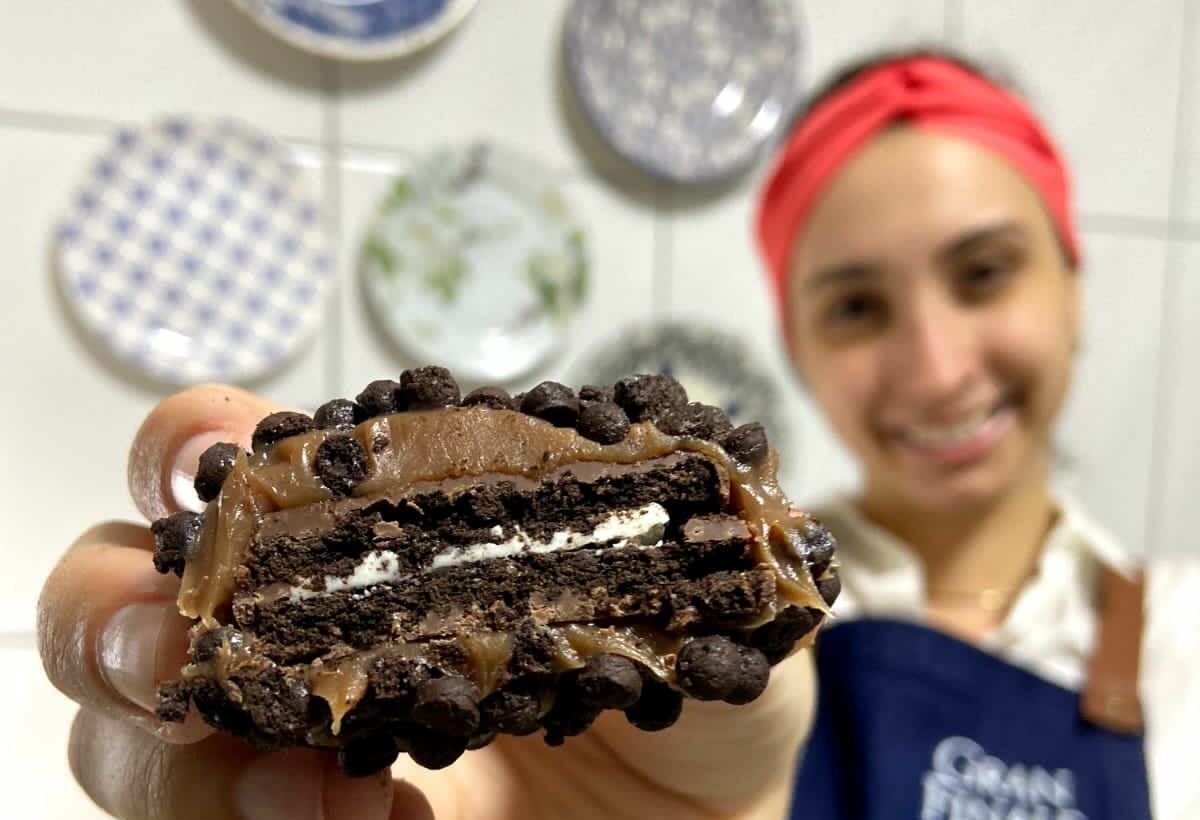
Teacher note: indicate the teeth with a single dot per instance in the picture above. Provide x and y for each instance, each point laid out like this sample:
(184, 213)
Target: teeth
(953, 434)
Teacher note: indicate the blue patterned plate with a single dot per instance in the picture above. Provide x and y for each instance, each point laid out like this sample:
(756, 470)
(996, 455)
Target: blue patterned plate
(194, 251)
(714, 365)
(358, 29)
(689, 90)
(475, 261)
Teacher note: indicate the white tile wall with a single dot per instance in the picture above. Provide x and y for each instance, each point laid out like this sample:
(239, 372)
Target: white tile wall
(1107, 74)
(1178, 445)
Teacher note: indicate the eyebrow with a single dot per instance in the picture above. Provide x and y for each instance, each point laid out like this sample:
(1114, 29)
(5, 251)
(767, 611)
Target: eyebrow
(838, 274)
(978, 237)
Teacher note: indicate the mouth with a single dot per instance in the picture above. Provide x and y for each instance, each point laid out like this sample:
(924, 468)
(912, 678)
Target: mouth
(963, 441)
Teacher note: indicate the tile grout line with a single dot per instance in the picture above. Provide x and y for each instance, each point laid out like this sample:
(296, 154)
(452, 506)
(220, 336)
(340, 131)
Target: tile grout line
(331, 133)
(1164, 377)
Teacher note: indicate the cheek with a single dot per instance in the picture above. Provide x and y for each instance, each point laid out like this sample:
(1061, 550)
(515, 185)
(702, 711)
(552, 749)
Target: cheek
(1033, 343)
(845, 387)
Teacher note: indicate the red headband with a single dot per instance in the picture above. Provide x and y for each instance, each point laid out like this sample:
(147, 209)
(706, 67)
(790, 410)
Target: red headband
(926, 91)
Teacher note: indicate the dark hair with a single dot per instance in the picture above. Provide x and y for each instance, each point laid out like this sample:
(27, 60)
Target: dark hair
(851, 71)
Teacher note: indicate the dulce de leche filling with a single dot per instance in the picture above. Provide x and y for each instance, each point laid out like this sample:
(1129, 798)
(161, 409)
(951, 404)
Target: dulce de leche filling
(436, 445)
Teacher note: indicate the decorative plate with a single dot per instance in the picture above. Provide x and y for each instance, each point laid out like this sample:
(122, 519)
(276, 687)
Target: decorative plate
(688, 90)
(358, 29)
(194, 251)
(475, 262)
(714, 365)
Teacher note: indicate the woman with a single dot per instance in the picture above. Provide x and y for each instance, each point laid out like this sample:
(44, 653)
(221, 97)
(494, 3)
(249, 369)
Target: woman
(918, 234)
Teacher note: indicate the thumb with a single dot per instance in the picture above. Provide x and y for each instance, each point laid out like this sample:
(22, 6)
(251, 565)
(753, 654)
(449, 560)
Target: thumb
(725, 757)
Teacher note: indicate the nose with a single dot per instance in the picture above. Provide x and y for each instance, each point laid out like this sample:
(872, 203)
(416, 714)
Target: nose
(933, 356)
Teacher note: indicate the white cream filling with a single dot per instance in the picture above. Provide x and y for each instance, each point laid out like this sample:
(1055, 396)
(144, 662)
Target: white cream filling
(639, 527)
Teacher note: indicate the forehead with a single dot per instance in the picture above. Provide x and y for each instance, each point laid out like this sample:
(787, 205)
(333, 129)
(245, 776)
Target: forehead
(905, 194)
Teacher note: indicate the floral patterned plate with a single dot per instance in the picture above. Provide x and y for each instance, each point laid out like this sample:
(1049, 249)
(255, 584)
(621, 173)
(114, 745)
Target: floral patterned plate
(476, 262)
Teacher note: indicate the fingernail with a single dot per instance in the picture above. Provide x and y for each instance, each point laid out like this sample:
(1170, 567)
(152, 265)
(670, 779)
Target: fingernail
(128, 651)
(183, 471)
(299, 784)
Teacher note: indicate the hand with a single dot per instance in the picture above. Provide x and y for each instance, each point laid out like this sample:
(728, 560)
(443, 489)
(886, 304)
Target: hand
(109, 633)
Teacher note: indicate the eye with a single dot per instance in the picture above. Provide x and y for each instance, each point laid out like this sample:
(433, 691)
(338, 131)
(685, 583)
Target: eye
(987, 276)
(854, 311)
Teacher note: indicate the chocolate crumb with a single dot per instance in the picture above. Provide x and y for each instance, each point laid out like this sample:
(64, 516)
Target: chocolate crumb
(428, 388)
(279, 426)
(381, 398)
(339, 414)
(709, 668)
(747, 444)
(609, 681)
(341, 462)
(695, 420)
(215, 465)
(649, 397)
(364, 756)
(604, 422)
(173, 699)
(554, 402)
(830, 588)
(175, 540)
(492, 397)
(658, 708)
(448, 705)
(511, 712)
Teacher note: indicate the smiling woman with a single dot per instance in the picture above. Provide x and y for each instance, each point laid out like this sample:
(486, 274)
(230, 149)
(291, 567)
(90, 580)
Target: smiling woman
(918, 234)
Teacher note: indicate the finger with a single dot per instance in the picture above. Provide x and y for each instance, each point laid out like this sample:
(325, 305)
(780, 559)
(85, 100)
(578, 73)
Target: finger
(162, 460)
(136, 777)
(109, 631)
(724, 757)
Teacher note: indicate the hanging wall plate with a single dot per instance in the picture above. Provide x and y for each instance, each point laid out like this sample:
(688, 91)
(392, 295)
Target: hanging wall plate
(476, 262)
(358, 29)
(714, 365)
(194, 251)
(689, 90)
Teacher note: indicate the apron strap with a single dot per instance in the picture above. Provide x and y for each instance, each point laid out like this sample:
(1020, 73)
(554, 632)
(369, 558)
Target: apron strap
(1110, 694)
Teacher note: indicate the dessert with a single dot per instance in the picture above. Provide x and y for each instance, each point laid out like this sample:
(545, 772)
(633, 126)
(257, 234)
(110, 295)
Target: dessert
(417, 571)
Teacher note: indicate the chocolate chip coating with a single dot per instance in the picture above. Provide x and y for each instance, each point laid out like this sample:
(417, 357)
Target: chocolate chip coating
(480, 740)
(279, 426)
(554, 402)
(341, 462)
(658, 707)
(777, 637)
(609, 681)
(339, 414)
(206, 646)
(568, 717)
(649, 397)
(380, 398)
(434, 750)
(216, 463)
(448, 705)
(830, 588)
(603, 421)
(818, 545)
(695, 420)
(175, 540)
(427, 388)
(753, 674)
(492, 397)
(709, 668)
(747, 444)
(592, 392)
(511, 712)
(363, 757)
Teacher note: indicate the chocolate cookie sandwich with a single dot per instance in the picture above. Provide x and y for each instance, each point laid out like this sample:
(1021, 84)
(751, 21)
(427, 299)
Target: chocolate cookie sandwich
(416, 572)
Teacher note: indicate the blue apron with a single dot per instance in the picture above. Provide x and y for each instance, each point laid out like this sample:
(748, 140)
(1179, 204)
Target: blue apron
(912, 723)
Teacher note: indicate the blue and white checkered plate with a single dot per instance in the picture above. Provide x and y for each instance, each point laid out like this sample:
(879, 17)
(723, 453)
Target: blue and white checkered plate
(194, 251)
(358, 29)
